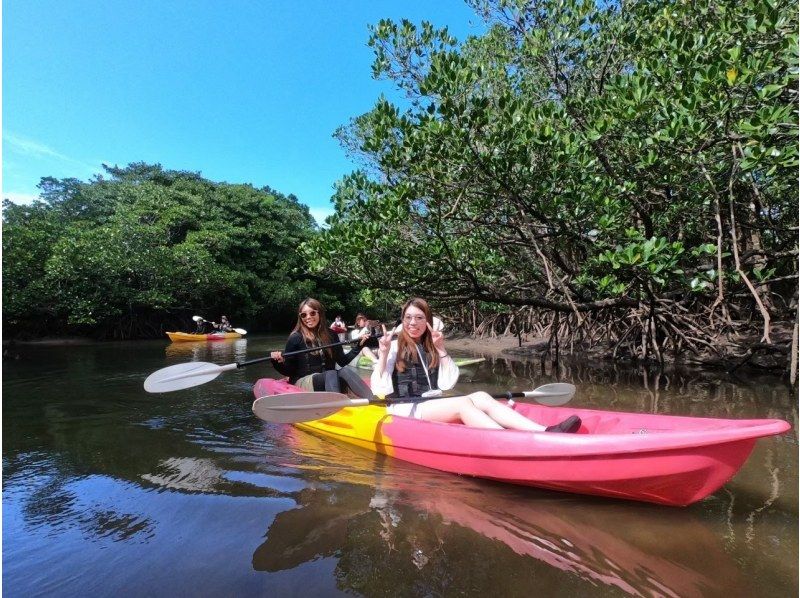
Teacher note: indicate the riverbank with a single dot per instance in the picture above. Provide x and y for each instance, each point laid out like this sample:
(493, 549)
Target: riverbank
(759, 358)
(491, 346)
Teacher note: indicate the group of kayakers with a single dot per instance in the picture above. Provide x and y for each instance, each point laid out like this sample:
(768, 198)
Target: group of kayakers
(222, 326)
(316, 371)
(412, 368)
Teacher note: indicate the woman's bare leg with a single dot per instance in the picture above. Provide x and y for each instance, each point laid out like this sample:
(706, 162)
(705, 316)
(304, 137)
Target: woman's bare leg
(456, 409)
(501, 413)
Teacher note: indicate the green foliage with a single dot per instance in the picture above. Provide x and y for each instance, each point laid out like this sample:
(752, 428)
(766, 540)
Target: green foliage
(118, 256)
(577, 155)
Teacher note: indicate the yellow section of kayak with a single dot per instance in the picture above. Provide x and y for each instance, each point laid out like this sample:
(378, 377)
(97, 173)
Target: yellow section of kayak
(362, 426)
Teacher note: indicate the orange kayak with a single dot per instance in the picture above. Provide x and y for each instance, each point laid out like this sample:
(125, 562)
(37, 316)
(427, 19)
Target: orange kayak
(215, 336)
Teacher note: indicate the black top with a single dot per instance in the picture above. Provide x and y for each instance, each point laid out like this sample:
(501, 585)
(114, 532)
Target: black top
(298, 366)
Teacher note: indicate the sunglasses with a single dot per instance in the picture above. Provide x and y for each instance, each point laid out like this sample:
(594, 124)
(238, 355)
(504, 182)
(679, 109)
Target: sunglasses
(308, 314)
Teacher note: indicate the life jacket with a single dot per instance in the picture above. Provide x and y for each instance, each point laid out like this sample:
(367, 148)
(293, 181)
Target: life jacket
(413, 382)
(314, 362)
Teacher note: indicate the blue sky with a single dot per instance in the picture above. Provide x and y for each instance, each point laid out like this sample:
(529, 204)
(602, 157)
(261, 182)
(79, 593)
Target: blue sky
(242, 91)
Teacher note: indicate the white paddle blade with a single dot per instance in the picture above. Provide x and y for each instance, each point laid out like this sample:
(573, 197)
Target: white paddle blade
(198, 319)
(241, 331)
(184, 375)
(554, 395)
(302, 406)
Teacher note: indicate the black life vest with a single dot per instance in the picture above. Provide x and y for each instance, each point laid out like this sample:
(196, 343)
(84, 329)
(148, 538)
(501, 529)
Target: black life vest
(413, 382)
(315, 362)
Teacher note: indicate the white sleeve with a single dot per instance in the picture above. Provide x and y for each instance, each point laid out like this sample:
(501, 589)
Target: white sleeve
(381, 385)
(448, 373)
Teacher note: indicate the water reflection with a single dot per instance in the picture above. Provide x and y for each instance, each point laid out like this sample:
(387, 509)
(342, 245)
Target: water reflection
(57, 498)
(607, 386)
(97, 473)
(220, 352)
(419, 528)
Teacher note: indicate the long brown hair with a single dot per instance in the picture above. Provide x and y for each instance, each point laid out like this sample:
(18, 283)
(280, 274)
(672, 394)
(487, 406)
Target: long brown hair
(406, 346)
(314, 336)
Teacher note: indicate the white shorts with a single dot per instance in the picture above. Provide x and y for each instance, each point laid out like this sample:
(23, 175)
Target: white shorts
(404, 409)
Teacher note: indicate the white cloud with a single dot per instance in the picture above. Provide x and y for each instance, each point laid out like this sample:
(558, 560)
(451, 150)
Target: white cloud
(32, 148)
(35, 149)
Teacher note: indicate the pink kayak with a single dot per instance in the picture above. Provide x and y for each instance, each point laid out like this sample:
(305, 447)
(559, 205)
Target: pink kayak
(663, 459)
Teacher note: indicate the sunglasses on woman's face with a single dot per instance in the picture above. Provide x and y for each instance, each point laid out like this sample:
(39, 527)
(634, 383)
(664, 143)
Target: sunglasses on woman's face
(308, 314)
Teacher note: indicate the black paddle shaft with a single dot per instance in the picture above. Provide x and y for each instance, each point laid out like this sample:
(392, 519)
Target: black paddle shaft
(509, 395)
(301, 351)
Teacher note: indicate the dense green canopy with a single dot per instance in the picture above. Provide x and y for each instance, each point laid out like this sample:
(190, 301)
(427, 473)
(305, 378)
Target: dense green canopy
(628, 163)
(142, 248)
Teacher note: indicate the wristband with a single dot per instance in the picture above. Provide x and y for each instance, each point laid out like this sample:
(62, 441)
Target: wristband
(443, 356)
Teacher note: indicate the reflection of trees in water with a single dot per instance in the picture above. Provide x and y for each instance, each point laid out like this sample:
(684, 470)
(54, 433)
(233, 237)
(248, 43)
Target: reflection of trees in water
(59, 498)
(606, 386)
(63, 442)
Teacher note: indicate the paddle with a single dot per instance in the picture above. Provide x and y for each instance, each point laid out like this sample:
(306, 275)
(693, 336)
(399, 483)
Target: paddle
(201, 319)
(195, 373)
(306, 406)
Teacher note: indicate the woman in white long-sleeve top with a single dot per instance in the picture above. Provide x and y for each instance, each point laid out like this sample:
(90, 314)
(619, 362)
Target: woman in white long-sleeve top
(416, 363)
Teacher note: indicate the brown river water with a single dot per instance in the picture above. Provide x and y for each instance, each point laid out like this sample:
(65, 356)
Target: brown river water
(110, 491)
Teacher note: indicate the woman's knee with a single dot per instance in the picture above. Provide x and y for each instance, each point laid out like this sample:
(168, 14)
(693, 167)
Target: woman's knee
(481, 400)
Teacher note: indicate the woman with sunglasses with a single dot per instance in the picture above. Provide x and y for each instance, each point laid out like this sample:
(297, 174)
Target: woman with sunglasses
(317, 370)
(415, 368)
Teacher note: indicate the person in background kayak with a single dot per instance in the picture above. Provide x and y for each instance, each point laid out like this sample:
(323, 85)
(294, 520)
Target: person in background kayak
(224, 325)
(360, 329)
(339, 328)
(316, 371)
(417, 361)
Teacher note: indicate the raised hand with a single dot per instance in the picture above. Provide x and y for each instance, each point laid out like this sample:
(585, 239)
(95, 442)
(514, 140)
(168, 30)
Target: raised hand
(437, 337)
(385, 342)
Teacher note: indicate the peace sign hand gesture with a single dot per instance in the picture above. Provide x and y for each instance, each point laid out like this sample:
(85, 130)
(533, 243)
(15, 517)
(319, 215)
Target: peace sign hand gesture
(385, 342)
(438, 338)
